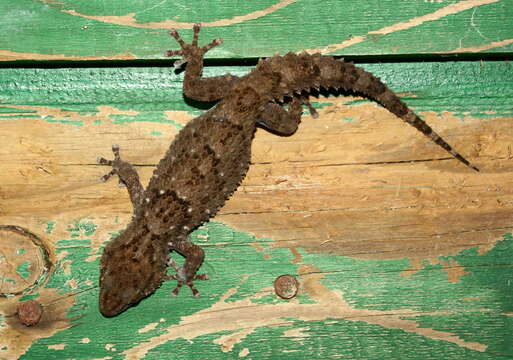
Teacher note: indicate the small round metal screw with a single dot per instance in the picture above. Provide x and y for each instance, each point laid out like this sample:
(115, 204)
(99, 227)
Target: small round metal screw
(286, 286)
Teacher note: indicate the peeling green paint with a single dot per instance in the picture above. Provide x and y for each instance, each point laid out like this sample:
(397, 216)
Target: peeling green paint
(125, 119)
(277, 32)
(50, 226)
(356, 102)
(348, 118)
(73, 242)
(67, 122)
(176, 124)
(9, 110)
(27, 297)
(476, 308)
(23, 116)
(433, 300)
(113, 234)
(463, 88)
(24, 269)
(82, 228)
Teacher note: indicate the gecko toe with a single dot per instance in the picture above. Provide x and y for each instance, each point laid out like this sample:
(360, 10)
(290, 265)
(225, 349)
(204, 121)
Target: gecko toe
(213, 43)
(171, 53)
(175, 291)
(103, 161)
(192, 50)
(177, 37)
(312, 110)
(106, 177)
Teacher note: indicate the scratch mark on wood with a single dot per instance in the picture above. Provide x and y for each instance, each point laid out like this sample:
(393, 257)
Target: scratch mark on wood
(57, 114)
(8, 55)
(248, 315)
(56, 347)
(148, 327)
(484, 47)
(129, 19)
(244, 352)
(296, 333)
(404, 25)
(453, 269)
(228, 341)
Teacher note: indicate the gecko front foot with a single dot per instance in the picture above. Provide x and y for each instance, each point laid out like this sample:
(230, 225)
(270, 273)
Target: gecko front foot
(191, 51)
(182, 278)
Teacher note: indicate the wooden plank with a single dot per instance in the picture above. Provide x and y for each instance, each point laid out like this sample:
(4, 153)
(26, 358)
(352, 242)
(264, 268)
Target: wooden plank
(128, 30)
(400, 250)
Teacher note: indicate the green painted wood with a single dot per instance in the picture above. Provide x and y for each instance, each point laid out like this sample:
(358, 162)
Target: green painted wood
(81, 30)
(349, 306)
(475, 87)
(427, 299)
(434, 317)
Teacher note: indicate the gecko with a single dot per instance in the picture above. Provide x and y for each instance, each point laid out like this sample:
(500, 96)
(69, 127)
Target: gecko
(209, 157)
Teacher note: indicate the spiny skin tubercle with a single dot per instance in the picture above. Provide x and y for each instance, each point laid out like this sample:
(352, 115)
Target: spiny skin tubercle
(209, 158)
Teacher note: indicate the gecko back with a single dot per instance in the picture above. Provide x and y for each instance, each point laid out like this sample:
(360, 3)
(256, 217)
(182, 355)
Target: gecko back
(209, 158)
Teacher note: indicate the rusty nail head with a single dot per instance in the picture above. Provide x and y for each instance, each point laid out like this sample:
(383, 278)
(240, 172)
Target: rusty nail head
(30, 312)
(286, 286)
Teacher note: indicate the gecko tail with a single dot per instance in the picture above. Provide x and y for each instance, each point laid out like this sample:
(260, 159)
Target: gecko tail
(442, 143)
(412, 119)
(303, 72)
(367, 84)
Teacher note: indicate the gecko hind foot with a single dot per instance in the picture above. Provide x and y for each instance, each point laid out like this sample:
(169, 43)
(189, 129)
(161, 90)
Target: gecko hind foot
(119, 167)
(195, 292)
(191, 50)
(114, 163)
(127, 175)
(182, 279)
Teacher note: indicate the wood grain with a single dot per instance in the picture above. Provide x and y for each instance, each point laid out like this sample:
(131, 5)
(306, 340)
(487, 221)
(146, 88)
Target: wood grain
(400, 251)
(75, 30)
(370, 216)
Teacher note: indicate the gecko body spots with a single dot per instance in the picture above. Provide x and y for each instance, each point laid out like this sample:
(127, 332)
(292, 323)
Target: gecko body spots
(208, 159)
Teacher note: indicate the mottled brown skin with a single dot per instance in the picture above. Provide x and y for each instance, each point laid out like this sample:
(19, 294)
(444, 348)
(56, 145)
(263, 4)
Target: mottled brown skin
(210, 156)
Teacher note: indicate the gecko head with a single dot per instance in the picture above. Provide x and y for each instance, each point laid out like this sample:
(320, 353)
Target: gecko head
(132, 267)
